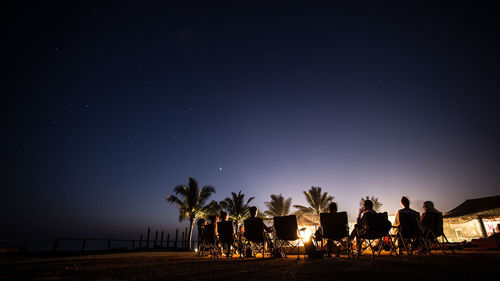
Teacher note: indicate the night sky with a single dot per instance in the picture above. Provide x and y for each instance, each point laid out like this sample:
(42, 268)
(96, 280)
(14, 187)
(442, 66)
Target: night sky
(107, 107)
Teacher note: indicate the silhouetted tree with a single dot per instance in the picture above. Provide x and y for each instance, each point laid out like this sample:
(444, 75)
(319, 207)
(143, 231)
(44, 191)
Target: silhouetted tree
(376, 203)
(236, 207)
(278, 206)
(191, 202)
(318, 203)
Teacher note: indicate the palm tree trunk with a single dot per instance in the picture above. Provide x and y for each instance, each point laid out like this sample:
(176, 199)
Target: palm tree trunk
(191, 225)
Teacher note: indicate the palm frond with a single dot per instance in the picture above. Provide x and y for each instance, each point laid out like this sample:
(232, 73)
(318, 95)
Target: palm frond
(174, 200)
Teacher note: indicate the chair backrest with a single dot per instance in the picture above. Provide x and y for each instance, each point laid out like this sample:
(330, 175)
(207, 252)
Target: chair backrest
(369, 220)
(409, 225)
(378, 225)
(384, 225)
(254, 230)
(436, 223)
(286, 228)
(334, 225)
(226, 231)
(201, 232)
(209, 233)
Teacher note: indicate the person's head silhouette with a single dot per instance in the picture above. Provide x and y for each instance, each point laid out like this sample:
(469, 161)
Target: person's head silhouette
(368, 204)
(224, 216)
(405, 202)
(253, 211)
(332, 208)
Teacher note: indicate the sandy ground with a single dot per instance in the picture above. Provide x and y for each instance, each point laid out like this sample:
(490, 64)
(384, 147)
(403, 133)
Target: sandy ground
(186, 266)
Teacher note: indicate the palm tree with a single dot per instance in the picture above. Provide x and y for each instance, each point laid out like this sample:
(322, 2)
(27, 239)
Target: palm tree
(191, 202)
(236, 207)
(376, 203)
(278, 206)
(318, 203)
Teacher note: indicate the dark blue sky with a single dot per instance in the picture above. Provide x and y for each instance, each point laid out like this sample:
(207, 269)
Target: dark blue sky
(107, 107)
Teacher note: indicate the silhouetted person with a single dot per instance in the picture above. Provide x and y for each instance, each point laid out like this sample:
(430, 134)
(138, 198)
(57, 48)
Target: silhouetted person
(405, 202)
(225, 245)
(201, 223)
(224, 216)
(429, 215)
(362, 223)
(212, 228)
(254, 220)
(332, 208)
(330, 245)
(253, 216)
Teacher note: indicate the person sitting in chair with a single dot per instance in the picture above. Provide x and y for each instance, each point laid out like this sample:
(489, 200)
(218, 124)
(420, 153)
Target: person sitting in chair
(227, 246)
(362, 223)
(253, 218)
(201, 223)
(426, 220)
(212, 226)
(318, 235)
(405, 202)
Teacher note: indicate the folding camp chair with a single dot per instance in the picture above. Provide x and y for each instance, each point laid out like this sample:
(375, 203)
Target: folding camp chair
(226, 237)
(210, 244)
(434, 231)
(376, 229)
(254, 234)
(287, 233)
(335, 227)
(409, 233)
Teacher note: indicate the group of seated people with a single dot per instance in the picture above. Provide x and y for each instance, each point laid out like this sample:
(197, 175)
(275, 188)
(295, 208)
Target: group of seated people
(210, 230)
(423, 224)
(209, 233)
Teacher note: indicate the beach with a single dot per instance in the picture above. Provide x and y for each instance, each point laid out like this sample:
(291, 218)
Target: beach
(464, 265)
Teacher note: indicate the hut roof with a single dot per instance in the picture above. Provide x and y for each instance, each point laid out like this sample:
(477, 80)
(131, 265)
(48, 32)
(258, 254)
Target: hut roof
(474, 206)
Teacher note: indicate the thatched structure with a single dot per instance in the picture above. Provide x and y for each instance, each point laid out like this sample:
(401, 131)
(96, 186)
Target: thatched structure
(474, 218)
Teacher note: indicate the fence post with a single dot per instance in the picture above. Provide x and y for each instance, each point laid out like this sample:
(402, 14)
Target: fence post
(140, 242)
(176, 234)
(156, 238)
(187, 241)
(147, 238)
(168, 239)
(83, 244)
(182, 240)
(54, 246)
(161, 240)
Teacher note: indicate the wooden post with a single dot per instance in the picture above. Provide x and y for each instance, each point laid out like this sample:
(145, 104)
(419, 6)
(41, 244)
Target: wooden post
(168, 239)
(140, 242)
(161, 240)
(186, 245)
(109, 244)
(54, 246)
(156, 238)
(147, 238)
(83, 244)
(484, 233)
(176, 234)
(182, 240)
